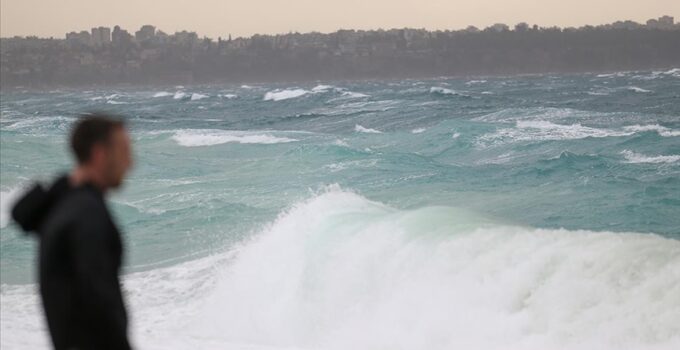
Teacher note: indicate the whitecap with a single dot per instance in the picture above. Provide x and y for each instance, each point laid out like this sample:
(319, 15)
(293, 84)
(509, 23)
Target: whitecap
(637, 89)
(418, 130)
(351, 94)
(179, 95)
(539, 130)
(612, 75)
(163, 94)
(210, 137)
(29, 123)
(444, 91)
(637, 158)
(322, 88)
(279, 95)
(474, 82)
(598, 93)
(661, 130)
(197, 96)
(345, 272)
(359, 128)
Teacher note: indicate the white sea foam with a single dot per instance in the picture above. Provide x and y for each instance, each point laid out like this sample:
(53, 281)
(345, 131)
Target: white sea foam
(210, 137)
(37, 123)
(455, 135)
(163, 94)
(342, 272)
(661, 130)
(197, 96)
(635, 158)
(339, 271)
(512, 115)
(637, 89)
(612, 75)
(279, 95)
(351, 94)
(675, 72)
(539, 130)
(113, 102)
(444, 91)
(475, 82)
(359, 128)
(418, 130)
(229, 96)
(323, 88)
(179, 95)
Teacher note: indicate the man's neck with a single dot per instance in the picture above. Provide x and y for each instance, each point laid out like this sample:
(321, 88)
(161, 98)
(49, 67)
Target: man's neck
(86, 175)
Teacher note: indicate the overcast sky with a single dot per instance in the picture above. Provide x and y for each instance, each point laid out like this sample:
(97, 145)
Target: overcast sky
(215, 18)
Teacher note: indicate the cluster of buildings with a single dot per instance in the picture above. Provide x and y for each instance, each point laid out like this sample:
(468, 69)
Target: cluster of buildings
(663, 23)
(104, 55)
(102, 36)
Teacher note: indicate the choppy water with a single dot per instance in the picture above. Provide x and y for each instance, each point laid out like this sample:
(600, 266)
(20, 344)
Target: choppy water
(525, 212)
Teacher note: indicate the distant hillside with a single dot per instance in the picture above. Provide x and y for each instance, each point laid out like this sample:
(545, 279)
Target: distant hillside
(152, 57)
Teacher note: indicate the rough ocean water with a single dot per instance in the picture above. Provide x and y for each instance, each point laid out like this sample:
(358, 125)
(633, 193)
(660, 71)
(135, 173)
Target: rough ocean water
(532, 212)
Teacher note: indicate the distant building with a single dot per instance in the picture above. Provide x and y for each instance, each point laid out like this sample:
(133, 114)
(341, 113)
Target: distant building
(82, 38)
(499, 27)
(161, 37)
(120, 36)
(630, 25)
(185, 37)
(521, 27)
(101, 36)
(146, 33)
(663, 23)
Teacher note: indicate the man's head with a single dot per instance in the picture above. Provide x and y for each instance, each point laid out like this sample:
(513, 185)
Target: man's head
(102, 146)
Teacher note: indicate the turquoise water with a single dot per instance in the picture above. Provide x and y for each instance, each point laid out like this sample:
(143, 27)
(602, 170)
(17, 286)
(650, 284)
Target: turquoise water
(320, 210)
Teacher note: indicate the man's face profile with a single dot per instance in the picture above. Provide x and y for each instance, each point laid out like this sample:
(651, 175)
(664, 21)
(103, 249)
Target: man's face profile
(115, 157)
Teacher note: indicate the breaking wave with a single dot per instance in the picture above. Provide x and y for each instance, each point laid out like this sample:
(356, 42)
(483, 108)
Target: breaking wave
(210, 137)
(359, 128)
(632, 157)
(339, 271)
(279, 95)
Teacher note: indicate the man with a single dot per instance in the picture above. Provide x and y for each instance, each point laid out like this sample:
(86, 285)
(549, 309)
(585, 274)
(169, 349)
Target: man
(80, 246)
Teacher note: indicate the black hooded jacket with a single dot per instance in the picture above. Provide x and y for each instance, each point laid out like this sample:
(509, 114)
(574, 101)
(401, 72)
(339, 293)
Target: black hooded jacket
(80, 258)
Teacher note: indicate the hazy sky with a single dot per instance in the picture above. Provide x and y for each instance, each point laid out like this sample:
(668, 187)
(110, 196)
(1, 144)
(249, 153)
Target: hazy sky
(215, 18)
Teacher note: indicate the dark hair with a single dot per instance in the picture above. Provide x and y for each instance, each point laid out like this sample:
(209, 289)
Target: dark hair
(92, 129)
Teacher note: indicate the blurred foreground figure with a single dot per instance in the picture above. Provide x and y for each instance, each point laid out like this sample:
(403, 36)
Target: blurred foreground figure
(80, 246)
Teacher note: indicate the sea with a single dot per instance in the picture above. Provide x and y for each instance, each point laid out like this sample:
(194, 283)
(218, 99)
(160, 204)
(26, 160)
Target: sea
(522, 212)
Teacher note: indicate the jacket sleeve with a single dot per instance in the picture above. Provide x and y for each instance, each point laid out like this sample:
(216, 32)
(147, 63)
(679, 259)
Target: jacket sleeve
(96, 279)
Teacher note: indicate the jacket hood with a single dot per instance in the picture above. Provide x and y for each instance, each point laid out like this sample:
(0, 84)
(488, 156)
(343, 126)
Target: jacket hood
(30, 211)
